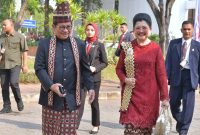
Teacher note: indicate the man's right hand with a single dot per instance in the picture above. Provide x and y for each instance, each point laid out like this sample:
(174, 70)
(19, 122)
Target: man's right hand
(55, 88)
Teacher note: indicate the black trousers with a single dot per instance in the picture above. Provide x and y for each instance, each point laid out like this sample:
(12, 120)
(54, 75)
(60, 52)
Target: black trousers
(183, 95)
(10, 77)
(94, 105)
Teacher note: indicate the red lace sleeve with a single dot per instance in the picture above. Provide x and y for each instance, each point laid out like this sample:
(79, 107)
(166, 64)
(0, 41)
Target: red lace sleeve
(120, 68)
(161, 76)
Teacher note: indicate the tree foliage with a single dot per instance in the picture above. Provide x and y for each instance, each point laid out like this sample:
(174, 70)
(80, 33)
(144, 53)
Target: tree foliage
(33, 6)
(89, 5)
(106, 20)
(7, 9)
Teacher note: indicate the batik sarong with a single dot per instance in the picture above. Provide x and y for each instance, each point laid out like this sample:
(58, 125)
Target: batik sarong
(131, 130)
(61, 122)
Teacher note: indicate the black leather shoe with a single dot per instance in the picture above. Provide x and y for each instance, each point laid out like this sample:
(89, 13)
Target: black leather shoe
(94, 132)
(6, 109)
(20, 106)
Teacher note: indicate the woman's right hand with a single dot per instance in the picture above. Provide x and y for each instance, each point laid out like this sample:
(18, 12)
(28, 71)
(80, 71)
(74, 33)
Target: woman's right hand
(55, 88)
(165, 104)
(130, 81)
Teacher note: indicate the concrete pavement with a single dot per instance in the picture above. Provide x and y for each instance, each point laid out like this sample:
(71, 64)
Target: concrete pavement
(28, 122)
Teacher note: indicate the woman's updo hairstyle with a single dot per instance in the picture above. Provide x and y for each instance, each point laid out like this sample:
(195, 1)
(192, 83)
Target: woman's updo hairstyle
(142, 17)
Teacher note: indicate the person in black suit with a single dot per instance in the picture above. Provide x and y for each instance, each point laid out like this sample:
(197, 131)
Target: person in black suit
(126, 36)
(98, 61)
(183, 70)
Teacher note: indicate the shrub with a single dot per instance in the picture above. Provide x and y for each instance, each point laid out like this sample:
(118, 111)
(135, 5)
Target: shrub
(109, 73)
(32, 42)
(154, 37)
(28, 78)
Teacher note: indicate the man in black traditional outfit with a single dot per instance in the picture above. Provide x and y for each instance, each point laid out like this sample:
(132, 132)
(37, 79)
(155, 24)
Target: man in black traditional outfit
(61, 64)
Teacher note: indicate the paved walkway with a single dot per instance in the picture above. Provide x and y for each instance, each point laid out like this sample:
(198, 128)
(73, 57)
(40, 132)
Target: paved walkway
(28, 122)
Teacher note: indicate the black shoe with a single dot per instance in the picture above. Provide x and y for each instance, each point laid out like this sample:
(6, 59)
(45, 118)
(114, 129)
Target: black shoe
(94, 132)
(20, 106)
(183, 133)
(6, 109)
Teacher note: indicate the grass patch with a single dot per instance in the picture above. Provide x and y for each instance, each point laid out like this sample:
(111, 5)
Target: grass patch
(107, 74)
(31, 61)
(29, 77)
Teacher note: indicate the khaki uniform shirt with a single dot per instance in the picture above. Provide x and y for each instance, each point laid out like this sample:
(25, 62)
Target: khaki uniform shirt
(14, 45)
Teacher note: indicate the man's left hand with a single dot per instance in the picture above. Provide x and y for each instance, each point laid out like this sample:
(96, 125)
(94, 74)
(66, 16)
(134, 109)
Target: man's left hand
(91, 94)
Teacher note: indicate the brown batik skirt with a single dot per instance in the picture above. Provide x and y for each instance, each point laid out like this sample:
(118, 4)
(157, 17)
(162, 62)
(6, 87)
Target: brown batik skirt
(130, 130)
(61, 122)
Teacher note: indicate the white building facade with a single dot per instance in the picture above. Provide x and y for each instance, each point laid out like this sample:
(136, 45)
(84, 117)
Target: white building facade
(129, 8)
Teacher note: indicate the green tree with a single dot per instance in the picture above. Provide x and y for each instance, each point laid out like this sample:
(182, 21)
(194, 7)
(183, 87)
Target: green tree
(76, 11)
(39, 16)
(33, 6)
(106, 20)
(28, 8)
(87, 6)
(7, 9)
(162, 12)
(60, 1)
(46, 20)
(21, 13)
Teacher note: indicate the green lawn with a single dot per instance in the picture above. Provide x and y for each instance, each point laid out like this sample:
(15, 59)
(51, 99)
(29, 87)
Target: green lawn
(29, 77)
(107, 74)
(31, 61)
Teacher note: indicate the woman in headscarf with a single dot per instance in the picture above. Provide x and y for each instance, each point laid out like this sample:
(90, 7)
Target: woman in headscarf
(96, 54)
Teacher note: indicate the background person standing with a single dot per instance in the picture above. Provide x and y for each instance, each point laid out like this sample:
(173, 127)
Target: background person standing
(183, 70)
(125, 36)
(97, 57)
(13, 60)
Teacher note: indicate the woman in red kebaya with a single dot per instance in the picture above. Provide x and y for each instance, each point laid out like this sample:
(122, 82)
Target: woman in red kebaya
(142, 74)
